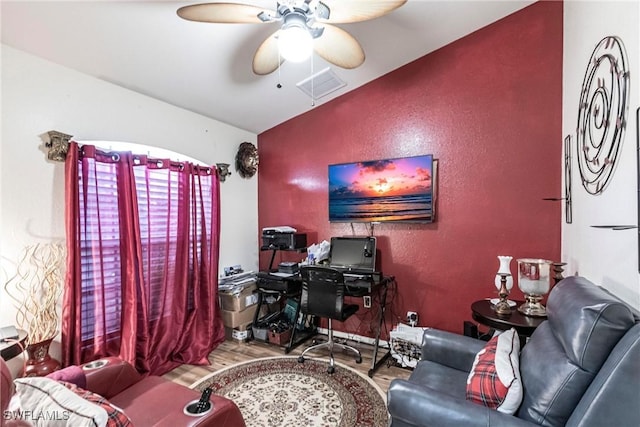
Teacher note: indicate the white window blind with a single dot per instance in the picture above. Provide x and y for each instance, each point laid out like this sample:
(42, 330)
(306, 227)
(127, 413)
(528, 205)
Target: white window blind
(100, 252)
(159, 194)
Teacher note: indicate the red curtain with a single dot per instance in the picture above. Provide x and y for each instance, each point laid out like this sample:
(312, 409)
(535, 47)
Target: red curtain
(143, 245)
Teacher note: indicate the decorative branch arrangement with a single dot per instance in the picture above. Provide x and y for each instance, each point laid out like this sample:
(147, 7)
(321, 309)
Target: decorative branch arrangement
(35, 289)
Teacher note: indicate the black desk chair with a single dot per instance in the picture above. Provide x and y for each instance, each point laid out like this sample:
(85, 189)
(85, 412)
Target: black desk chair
(323, 291)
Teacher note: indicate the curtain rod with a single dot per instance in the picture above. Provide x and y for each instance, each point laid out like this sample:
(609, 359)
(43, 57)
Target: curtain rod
(58, 145)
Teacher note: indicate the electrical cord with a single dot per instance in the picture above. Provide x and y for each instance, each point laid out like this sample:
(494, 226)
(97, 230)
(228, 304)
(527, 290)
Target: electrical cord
(392, 296)
(407, 352)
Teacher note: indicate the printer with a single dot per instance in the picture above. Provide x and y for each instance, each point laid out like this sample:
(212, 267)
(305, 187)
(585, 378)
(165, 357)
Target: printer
(283, 238)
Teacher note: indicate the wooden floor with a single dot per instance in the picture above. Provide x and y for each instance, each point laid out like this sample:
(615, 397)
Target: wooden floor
(232, 352)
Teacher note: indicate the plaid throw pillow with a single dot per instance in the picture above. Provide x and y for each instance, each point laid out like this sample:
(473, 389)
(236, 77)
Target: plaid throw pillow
(115, 416)
(494, 380)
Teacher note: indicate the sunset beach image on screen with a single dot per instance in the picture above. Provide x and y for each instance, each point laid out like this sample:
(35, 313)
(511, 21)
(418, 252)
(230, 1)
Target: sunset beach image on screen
(398, 189)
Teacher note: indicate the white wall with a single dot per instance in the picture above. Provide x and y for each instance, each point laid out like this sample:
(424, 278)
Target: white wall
(38, 96)
(608, 258)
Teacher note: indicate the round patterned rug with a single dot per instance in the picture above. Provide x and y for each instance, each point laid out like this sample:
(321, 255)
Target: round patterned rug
(279, 391)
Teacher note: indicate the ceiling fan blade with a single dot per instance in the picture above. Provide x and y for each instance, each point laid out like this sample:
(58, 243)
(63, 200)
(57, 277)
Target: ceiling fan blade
(225, 13)
(267, 58)
(346, 11)
(337, 46)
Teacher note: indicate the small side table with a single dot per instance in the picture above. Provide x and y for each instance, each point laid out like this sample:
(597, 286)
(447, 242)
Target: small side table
(9, 350)
(482, 311)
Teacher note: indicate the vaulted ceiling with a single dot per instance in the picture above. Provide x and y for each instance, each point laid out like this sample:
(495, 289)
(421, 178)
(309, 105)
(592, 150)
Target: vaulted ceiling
(206, 68)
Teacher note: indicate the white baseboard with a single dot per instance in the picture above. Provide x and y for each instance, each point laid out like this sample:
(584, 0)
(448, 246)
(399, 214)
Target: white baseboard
(353, 337)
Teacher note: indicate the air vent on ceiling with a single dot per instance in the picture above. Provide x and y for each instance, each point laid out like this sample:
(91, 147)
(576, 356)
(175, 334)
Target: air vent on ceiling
(321, 84)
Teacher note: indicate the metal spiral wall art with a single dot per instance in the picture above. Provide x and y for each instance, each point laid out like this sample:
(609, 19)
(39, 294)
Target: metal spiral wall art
(602, 113)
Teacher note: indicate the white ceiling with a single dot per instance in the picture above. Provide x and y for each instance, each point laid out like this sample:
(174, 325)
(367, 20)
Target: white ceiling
(206, 68)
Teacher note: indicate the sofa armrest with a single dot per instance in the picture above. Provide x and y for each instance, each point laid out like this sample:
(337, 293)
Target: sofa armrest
(110, 378)
(416, 405)
(449, 349)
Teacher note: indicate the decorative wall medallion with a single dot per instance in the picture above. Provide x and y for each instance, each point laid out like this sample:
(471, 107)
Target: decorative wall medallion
(247, 160)
(602, 113)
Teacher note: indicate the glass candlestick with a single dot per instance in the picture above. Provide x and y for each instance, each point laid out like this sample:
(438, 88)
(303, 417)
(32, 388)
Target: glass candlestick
(504, 267)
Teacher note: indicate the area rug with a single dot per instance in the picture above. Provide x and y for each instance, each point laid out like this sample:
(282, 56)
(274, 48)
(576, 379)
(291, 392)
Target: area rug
(279, 391)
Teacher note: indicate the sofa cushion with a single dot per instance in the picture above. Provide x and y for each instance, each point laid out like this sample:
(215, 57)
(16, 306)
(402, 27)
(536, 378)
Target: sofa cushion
(72, 374)
(494, 380)
(156, 401)
(565, 353)
(446, 380)
(587, 321)
(612, 397)
(44, 399)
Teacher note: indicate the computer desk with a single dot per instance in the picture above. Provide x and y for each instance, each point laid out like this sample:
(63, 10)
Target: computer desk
(291, 287)
(382, 290)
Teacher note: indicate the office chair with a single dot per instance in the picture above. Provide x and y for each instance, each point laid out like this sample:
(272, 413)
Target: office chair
(323, 291)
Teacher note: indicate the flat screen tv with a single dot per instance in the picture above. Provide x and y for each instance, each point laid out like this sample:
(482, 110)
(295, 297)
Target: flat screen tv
(399, 190)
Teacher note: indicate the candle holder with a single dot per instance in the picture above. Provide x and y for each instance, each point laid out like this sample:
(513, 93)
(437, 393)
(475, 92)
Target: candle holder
(558, 270)
(502, 306)
(534, 280)
(504, 267)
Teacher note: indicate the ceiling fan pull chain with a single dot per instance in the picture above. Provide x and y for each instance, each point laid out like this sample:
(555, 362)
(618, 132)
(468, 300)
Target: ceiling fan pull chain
(279, 85)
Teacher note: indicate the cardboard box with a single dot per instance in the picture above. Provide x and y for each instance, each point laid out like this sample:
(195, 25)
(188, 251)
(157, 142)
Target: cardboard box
(241, 333)
(239, 302)
(233, 319)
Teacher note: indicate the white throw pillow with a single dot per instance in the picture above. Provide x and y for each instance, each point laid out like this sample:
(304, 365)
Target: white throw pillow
(494, 380)
(45, 402)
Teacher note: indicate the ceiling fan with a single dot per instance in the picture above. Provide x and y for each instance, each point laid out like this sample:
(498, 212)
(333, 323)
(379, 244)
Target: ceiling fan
(306, 25)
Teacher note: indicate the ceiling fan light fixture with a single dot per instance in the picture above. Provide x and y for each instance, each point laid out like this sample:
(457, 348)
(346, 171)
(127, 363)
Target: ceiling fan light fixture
(295, 40)
(306, 26)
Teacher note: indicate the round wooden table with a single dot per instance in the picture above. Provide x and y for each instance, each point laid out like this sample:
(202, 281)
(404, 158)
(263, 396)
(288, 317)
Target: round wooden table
(483, 312)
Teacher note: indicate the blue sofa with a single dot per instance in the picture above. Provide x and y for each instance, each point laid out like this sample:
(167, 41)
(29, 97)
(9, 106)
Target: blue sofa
(581, 367)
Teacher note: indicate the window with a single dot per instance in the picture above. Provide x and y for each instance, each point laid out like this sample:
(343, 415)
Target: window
(173, 230)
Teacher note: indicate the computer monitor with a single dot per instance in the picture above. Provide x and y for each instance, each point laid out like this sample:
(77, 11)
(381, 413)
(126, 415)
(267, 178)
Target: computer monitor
(356, 254)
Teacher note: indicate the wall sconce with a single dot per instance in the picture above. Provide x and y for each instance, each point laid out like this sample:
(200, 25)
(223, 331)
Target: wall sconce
(223, 171)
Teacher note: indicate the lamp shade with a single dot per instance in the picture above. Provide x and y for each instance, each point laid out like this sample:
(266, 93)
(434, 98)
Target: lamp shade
(295, 41)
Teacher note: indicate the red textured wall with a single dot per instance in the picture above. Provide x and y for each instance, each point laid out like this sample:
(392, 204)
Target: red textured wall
(489, 107)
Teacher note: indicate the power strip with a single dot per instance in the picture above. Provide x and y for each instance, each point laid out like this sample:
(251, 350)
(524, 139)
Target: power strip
(354, 337)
